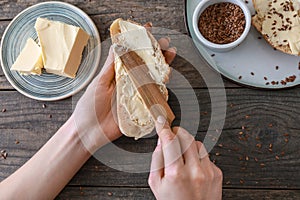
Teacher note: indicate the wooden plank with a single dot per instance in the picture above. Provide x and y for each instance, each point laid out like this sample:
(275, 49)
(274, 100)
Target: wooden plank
(145, 193)
(105, 193)
(4, 84)
(253, 194)
(255, 119)
(271, 111)
(162, 13)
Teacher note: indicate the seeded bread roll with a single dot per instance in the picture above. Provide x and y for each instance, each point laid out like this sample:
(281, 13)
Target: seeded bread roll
(279, 23)
(134, 118)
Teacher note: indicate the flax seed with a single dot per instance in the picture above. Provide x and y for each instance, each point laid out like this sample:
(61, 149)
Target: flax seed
(109, 194)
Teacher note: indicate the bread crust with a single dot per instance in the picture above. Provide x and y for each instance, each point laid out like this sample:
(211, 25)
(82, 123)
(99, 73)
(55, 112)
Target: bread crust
(257, 22)
(126, 124)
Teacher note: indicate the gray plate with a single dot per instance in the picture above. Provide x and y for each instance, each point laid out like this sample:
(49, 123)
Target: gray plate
(49, 87)
(250, 63)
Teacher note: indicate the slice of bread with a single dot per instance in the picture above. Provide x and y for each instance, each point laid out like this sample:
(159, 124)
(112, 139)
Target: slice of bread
(134, 118)
(279, 23)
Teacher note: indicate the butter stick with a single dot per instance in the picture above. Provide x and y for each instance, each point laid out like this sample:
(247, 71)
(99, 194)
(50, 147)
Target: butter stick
(62, 46)
(29, 60)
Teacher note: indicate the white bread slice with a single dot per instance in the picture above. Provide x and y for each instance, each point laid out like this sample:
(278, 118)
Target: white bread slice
(134, 118)
(279, 23)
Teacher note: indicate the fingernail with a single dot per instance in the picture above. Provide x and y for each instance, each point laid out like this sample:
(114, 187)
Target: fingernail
(168, 38)
(160, 123)
(161, 120)
(175, 49)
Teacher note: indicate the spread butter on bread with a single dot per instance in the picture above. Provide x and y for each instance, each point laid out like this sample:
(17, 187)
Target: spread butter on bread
(279, 23)
(134, 119)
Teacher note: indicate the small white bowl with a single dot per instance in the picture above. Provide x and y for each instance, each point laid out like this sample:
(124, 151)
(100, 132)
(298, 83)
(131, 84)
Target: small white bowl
(221, 47)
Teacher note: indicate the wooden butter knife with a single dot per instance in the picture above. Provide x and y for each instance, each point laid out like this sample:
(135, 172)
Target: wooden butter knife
(146, 86)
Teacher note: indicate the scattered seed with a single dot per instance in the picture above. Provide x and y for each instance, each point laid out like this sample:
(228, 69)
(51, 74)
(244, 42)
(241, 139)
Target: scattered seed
(290, 79)
(242, 181)
(44, 106)
(212, 55)
(283, 82)
(277, 157)
(252, 73)
(217, 154)
(256, 160)
(270, 146)
(266, 78)
(282, 153)
(240, 77)
(50, 116)
(247, 116)
(220, 145)
(286, 140)
(277, 67)
(243, 127)
(270, 125)
(247, 158)
(286, 135)
(109, 194)
(3, 110)
(228, 182)
(258, 145)
(4, 154)
(262, 165)
(241, 133)
(17, 142)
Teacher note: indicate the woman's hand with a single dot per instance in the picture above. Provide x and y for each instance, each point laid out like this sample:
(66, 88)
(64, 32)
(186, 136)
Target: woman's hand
(94, 115)
(181, 168)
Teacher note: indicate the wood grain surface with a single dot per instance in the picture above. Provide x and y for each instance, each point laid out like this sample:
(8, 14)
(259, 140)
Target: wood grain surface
(143, 193)
(257, 151)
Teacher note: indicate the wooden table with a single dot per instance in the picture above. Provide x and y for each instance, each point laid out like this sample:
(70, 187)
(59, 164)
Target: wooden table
(258, 150)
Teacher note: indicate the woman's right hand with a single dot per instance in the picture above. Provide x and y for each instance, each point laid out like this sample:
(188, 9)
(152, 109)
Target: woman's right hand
(181, 168)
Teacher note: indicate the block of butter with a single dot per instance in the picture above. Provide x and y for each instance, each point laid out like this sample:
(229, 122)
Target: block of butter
(30, 59)
(62, 46)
